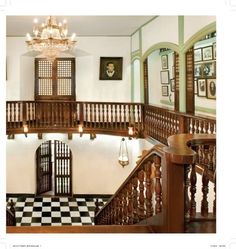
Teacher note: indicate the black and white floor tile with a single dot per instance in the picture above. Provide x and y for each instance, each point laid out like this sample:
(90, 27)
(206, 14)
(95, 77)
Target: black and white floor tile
(55, 211)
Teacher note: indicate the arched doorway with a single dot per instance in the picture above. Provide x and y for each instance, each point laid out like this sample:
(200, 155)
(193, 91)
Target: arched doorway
(54, 169)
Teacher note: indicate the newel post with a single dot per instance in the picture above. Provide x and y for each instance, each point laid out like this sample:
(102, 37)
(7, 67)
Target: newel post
(173, 195)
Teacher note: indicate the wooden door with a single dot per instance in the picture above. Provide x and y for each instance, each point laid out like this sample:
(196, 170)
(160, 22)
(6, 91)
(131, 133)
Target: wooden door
(44, 168)
(63, 165)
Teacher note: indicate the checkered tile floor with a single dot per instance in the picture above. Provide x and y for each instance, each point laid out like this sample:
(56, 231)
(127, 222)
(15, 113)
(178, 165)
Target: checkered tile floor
(55, 211)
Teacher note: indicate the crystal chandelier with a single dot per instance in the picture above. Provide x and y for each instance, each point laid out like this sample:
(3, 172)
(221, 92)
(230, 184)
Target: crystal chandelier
(50, 38)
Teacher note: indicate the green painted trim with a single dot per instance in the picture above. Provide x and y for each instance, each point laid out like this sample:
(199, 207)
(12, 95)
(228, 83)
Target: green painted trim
(166, 102)
(195, 38)
(137, 51)
(141, 68)
(157, 46)
(204, 109)
(144, 25)
(136, 57)
(182, 66)
(132, 82)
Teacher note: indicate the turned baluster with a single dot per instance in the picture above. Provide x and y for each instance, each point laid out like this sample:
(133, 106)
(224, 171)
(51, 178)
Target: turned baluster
(117, 210)
(158, 186)
(141, 210)
(201, 127)
(103, 116)
(206, 154)
(111, 115)
(149, 207)
(130, 203)
(186, 196)
(193, 189)
(207, 127)
(121, 213)
(214, 202)
(120, 116)
(211, 156)
(135, 199)
(205, 182)
(107, 115)
(125, 114)
(125, 206)
(212, 126)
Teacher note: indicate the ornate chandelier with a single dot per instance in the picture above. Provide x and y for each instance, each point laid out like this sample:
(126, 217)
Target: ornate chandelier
(50, 38)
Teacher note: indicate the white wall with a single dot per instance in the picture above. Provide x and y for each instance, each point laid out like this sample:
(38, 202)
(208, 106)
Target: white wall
(95, 166)
(192, 24)
(20, 67)
(154, 80)
(161, 29)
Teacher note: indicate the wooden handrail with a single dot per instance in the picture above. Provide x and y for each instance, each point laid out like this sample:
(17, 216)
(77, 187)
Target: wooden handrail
(169, 206)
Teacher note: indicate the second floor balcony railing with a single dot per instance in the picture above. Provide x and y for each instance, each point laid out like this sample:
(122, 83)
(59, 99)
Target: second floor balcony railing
(102, 117)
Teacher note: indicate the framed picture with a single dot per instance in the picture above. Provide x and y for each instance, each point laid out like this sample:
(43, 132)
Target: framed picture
(195, 87)
(198, 54)
(198, 70)
(207, 53)
(111, 68)
(172, 85)
(208, 69)
(214, 50)
(165, 77)
(165, 91)
(201, 87)
(211, 88)
(164, 61)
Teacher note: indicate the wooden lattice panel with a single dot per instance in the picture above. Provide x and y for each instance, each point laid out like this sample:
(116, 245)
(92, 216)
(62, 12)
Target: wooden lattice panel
(45, 87)
(55, 80)
(64, 87)
(44, 68)
(63, 68)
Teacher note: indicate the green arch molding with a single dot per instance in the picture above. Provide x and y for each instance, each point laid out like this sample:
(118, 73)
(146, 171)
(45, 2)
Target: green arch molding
(159, 45)
(197, 36)
(136, 57)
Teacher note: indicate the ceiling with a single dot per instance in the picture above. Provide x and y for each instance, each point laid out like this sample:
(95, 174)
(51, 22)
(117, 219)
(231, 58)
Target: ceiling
(81, 25)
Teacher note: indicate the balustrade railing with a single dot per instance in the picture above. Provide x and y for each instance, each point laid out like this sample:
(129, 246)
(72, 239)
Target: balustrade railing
(103, 117)
(153, 194)
(67, 115)
(139, 197)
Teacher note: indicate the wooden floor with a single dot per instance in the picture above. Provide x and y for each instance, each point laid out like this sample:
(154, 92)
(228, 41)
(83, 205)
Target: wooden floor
(82, 229)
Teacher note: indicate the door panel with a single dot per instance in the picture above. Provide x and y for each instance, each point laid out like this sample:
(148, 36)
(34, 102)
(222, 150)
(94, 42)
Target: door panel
(63, 159)
(44, 168)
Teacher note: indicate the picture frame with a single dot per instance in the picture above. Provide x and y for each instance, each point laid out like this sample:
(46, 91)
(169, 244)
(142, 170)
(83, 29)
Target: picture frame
(208, 69)
(165, 77)
(111, 68)
(214, 51)
(165, 91)
(164, 61)
(197, 54)
(172, 85)
(198, 70)
(211, 88)
(201, 86)
(207, 53)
